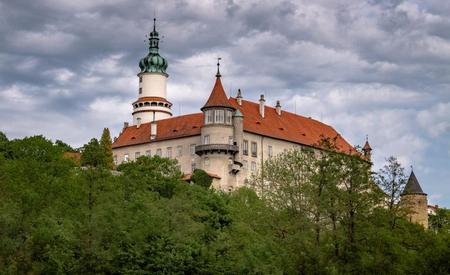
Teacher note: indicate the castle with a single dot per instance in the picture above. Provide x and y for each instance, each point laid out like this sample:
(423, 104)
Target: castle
(230, 138)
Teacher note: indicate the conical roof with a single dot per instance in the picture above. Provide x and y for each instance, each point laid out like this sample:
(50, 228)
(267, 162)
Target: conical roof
(218, 98)
(412, 186)
(367, 146)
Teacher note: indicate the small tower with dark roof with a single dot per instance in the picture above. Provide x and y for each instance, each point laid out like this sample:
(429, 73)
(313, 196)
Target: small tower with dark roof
(415, 201)
(367, 150)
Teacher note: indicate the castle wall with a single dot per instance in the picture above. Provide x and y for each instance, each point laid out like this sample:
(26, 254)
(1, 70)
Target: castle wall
(187, 160)
(213, 163)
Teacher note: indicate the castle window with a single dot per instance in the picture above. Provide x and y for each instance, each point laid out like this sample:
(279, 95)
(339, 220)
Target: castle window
(245, 148)
(115, 160)
(147, 104)
(137, 155)
(141, 104)
(140, 90)
(192, 149)
(140, 79)
(270, 151)
(193, 166)
(126, 158)
(153, 103)
(230, 140)
(209, 116)
(206, 161)
(230, 163)
(159, 152)
(220, 116)
(245, 164)
(148, 153)
(206, 139)
(169, 152)
(253, 166)
(228, 116)
(179, 150)
(254, 149)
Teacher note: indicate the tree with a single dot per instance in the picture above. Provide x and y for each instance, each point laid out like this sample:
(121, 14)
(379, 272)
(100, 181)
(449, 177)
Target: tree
(392, 180)
(3, 137)
(201, 178)
(93, 154)
(64, 146)
(106, 145)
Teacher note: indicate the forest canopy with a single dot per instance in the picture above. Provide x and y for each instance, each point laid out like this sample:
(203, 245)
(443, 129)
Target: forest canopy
(59, 218)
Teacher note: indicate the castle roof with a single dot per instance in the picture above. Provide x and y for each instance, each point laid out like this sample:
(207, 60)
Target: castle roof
(412, 186)
(287, 127)
(217, 98)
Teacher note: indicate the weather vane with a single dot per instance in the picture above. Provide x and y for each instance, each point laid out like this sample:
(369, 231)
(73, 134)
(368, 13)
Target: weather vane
(218, 66)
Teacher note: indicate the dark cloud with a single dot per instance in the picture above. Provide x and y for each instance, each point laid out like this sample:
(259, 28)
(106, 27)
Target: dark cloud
(68, 68)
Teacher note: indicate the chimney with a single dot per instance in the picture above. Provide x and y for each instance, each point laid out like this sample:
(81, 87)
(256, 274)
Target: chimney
(125, 125)
(138, 122)
(278, 108)
(239, 97)
(153, 130)
(262, 102)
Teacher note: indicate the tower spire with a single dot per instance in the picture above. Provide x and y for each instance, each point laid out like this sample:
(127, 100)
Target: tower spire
(218, 67)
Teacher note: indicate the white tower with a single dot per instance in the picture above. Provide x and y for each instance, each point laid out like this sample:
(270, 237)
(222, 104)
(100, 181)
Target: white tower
(152, 104)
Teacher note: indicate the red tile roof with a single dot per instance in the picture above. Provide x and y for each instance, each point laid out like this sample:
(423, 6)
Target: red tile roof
(170, 128)
(287, 126)
(217, 98)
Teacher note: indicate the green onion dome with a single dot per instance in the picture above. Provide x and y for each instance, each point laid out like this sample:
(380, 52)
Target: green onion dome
(153, 62)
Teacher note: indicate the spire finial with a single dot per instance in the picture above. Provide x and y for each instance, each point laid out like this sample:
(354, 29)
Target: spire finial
(412, 169)
(367, 138)
(154, 24)
(218, 66)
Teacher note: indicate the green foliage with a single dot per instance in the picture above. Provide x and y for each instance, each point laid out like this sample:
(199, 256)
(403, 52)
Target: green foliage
(56, 218)
(64, 146)
(3, 137)
(93, 154)
(106, 145)
(201, 178)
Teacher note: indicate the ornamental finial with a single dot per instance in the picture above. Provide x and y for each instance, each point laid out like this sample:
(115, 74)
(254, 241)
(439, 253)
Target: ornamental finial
(154, 24)
(218, 66)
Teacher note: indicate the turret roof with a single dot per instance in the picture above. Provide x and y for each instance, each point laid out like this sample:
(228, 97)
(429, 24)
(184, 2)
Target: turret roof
(218, 98)
(412, 186)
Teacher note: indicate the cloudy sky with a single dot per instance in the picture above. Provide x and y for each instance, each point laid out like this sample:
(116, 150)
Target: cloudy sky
(375, 67)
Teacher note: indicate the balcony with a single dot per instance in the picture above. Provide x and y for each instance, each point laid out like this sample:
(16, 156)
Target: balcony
(216, 148)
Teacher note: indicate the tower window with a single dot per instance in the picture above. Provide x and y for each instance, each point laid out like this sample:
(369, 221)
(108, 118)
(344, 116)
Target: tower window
(209, 116)
(228, 117)
(206, 139)
(192, 149)
(140, 90)
(230, 140)
(206, 162)
(140, 79)
(220, 116)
